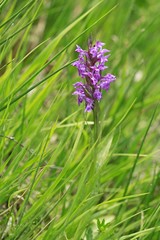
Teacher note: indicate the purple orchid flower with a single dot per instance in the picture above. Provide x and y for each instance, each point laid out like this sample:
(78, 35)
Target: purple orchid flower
(90, 65)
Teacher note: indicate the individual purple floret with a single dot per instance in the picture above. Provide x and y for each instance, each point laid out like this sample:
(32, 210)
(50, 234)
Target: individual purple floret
(90, 65)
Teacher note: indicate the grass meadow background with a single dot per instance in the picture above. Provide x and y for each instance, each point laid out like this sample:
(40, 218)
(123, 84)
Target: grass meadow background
(49, 189)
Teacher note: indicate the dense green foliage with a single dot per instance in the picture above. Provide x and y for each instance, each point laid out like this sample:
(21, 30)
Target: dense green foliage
(51, 187)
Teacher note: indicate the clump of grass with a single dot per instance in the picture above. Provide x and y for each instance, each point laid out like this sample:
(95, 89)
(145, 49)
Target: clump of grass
(47, 191)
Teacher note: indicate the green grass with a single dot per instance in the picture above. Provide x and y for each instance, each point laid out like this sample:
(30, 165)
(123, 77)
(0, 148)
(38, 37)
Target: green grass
(50, 186)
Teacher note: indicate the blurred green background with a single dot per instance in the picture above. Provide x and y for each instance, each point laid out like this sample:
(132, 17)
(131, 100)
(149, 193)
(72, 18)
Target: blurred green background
(48, 188)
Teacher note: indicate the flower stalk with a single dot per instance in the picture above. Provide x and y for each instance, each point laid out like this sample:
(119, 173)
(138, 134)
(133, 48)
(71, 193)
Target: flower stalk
(90, 65)
(97, 131)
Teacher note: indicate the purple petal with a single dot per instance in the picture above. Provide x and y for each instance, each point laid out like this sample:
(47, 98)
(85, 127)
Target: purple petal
(109, 77)
(97, 94)
(99, 44)
(89, 105)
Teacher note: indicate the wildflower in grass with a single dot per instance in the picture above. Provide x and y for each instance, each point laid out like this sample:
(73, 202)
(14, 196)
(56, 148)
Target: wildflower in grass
(90, 65)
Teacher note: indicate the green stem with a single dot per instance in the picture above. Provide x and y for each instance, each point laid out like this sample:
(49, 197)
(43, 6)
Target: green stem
(94, 141)
(96, 122)
(96, 137)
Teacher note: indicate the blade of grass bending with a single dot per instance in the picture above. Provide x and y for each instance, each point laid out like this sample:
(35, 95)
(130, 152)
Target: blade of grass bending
(35, 175)
(21, 29)
(17, 13)
(3, 3)
(137, 157)
(124, 116)
(36, 85)
(143, 140)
